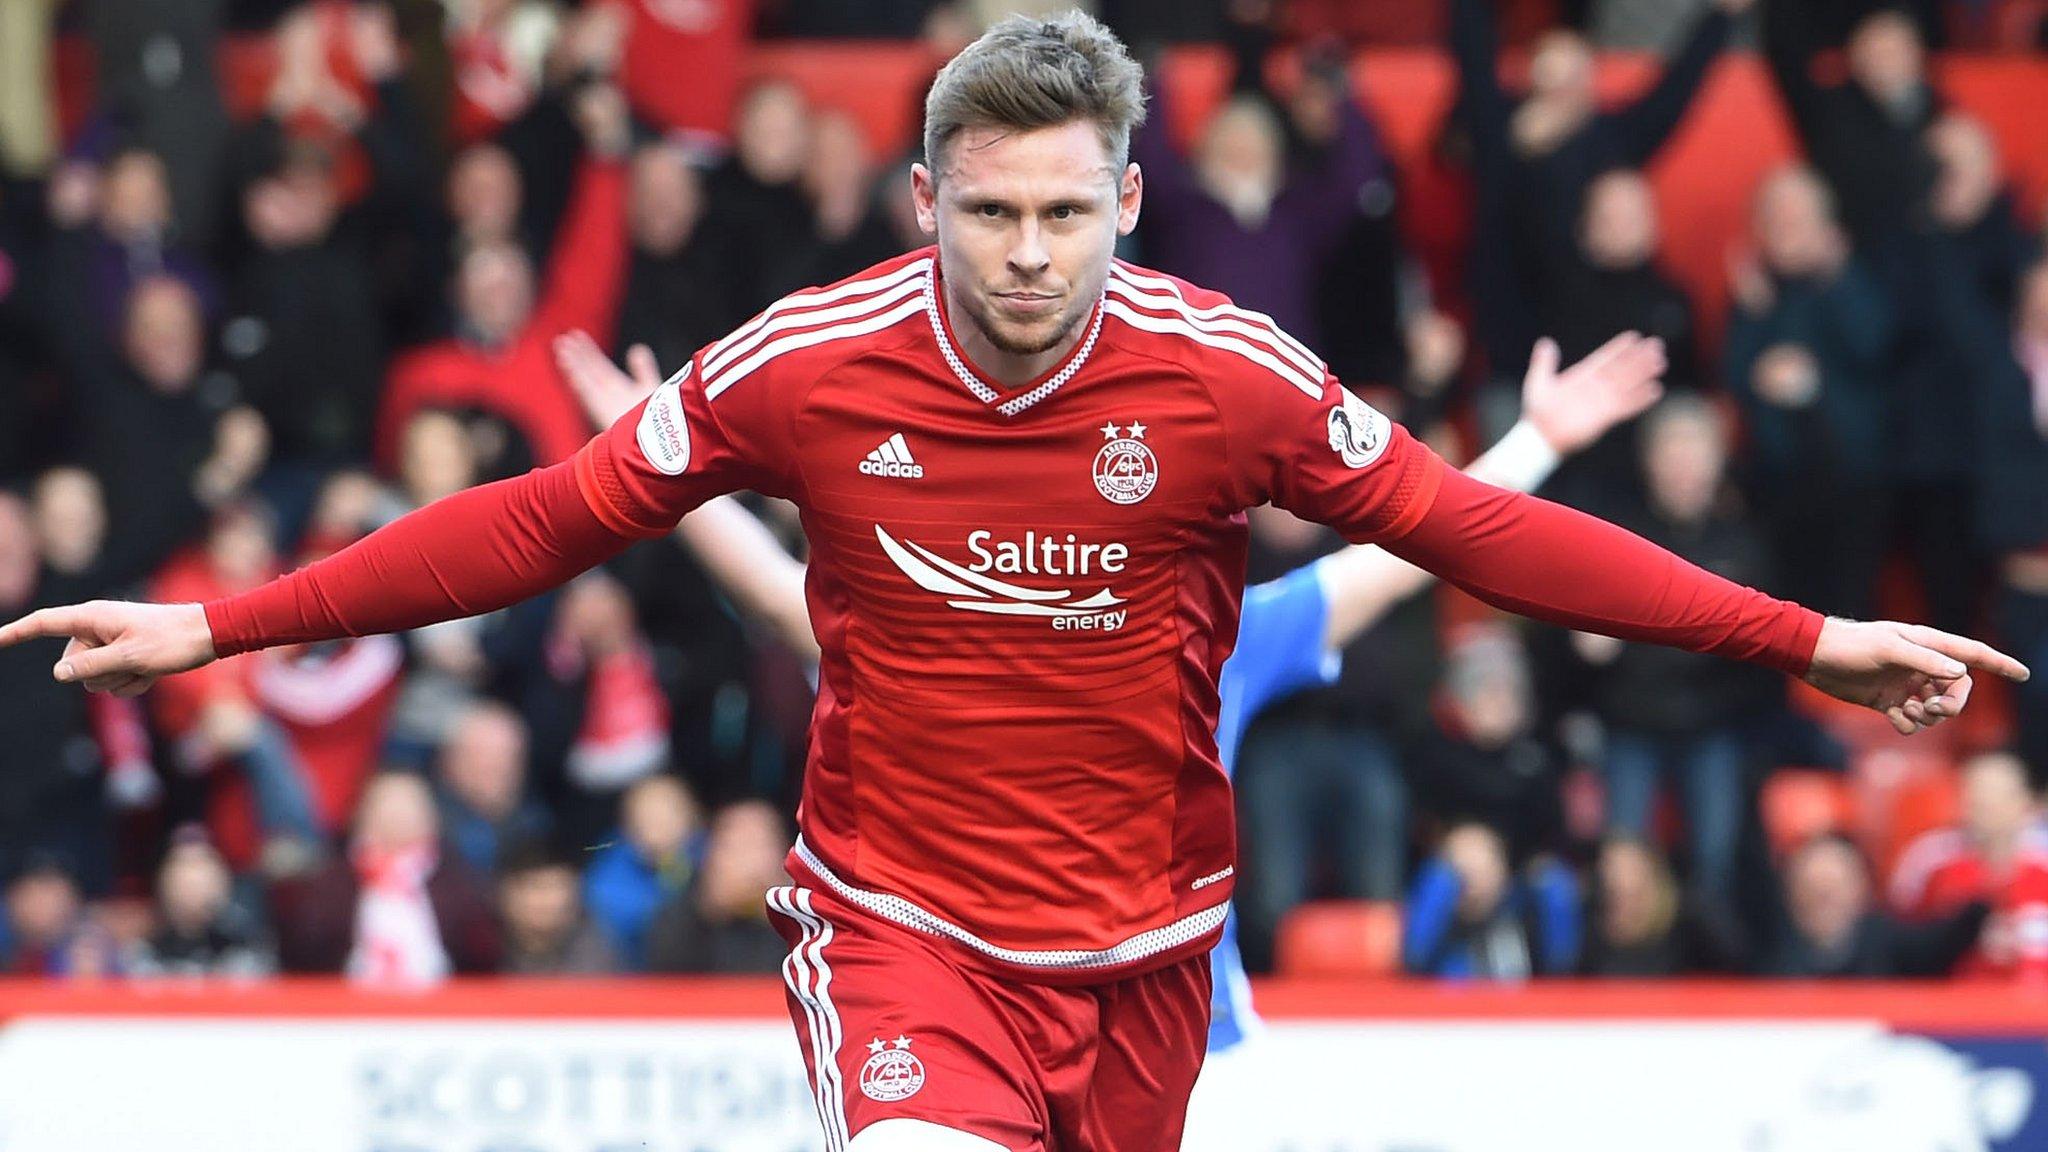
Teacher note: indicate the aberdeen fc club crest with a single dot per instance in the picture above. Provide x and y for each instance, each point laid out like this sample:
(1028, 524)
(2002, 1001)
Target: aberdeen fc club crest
(1125, 469)
(891, 1073)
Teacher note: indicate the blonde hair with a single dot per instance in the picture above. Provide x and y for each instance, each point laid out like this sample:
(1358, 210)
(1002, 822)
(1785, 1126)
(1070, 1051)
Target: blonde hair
(1026, 73)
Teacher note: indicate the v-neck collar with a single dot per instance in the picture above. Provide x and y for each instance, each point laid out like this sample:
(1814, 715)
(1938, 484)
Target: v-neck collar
(1028, 394)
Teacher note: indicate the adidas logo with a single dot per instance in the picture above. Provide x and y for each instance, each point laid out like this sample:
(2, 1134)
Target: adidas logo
(892, 458)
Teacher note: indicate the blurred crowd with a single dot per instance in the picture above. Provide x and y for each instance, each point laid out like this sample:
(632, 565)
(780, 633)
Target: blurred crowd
(240, 329)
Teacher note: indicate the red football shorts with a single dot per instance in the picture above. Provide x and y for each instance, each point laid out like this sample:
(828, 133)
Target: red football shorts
(895, 1023)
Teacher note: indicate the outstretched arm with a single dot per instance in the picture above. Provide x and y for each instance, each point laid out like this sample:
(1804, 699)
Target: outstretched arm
(1545, 561)
(1562, 413)
(476, 551)
(736, 549)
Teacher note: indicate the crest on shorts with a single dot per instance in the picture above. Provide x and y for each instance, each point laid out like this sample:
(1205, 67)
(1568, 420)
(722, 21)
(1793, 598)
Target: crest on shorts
(1358, 433)
(892, 1073)
(1125, 469)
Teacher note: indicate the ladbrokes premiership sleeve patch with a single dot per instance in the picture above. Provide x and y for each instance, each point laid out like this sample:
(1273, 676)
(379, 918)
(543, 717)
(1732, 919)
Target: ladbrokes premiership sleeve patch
(664, 434)
(1358, 432)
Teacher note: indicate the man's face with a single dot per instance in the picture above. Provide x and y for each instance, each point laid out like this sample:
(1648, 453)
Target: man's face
(495, 292)
(1826, 891)
(1794, 226)
(1621, 221)
(540, 903)
(484, 762)
(1026, 223)
(484, 192)
(666, 200)
(1885, 55)
(1561, 68)
(1997, 803)
(164, 335)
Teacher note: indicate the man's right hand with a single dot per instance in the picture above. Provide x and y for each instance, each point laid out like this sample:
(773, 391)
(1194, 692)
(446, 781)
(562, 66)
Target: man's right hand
(118, 646)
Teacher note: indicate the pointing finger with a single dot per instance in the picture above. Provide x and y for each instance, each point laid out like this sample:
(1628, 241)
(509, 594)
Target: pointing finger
(1974, 653)
(41, 623)
(1928, 662)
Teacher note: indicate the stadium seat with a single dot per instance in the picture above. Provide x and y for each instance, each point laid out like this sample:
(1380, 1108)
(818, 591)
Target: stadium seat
(1904, 795)
(1357, 938)
(1801, 803)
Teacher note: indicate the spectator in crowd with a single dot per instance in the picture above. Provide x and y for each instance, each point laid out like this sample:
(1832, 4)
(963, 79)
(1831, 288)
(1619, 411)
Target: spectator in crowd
(1806, 357)
(2013, 459)
(112, 229)
(1998, 854)
(163, 435)
(1533, 160)
(1469, 918)
(1236, 214)
(1319, 783)
(156, 83)
(1935, 409)
(1642, 925)
(457, 661)
(1481, 759)
(46, 931)
(200, 930)
(499, 359)
(654, 858)
(757, 195)
(482, 770)
(260, 801)
(49, 798)
(1866, 133)
(399, 911)
(305, 337)
(541, 905)
(598, 707)
(679, 279)
(850, 230)
(1684, 721)
(1833, 928)
(720, 923)
(1613, 284)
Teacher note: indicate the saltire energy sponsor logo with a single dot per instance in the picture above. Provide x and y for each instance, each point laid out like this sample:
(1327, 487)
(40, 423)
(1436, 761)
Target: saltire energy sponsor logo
(971, 588)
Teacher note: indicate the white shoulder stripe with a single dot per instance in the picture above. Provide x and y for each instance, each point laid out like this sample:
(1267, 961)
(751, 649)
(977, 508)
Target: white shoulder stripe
(1161, 284)
(1222, 322)
(811, 337)
(1257, 354)
(739, 347)
(810, 298)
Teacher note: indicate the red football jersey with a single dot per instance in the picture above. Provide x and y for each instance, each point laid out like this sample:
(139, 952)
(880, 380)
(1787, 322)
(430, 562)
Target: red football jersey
(1023, 596)
(1941, 871)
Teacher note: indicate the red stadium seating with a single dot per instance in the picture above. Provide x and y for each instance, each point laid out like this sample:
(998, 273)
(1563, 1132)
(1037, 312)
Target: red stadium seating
(1801, 803)
(1353, 938)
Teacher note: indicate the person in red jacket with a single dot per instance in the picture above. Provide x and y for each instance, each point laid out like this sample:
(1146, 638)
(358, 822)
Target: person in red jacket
(500, 360)
(1997, 854)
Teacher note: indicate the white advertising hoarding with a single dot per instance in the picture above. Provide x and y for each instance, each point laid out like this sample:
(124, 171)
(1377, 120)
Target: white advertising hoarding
(100, 1084)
